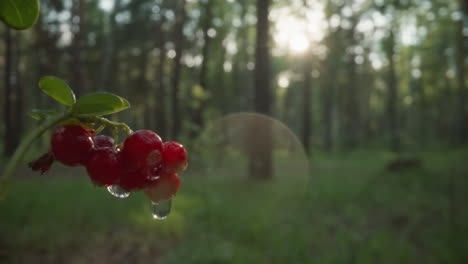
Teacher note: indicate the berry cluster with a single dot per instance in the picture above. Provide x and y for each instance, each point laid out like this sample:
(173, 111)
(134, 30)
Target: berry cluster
(141, 162)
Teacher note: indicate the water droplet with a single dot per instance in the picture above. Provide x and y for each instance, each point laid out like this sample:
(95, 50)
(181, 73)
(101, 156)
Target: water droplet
(118, 191)
(161, 210)
(155, 171)
(154, 178)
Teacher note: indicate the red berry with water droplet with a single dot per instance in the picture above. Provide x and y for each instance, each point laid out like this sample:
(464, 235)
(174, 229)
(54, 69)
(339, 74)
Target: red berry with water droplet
(71, 145)
(174, 157)
(103, 141)
(164, 188)
(141, 150)
(104, 167)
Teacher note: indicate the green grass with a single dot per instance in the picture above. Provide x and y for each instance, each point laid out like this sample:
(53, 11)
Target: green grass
(348, 209)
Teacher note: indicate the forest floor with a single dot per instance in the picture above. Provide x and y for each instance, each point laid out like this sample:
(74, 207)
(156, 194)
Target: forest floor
(349, 210)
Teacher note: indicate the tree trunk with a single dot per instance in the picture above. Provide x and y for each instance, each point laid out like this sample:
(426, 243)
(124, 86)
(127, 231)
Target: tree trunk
(108, 49)
(223, 93)
(306, 104)
(203, 81)
(177, 68)
(392, 101)
(263, 93)
(142, 84)
(78, 67)
(327, 114)
(351, 117)
(13, 94)
(422, 112)
(365, 101)
(328, 90)
(241, 77)
(160, 77)
(260, 165)
(460, 65)
(45, 51)
(18, 113)
(8, 148)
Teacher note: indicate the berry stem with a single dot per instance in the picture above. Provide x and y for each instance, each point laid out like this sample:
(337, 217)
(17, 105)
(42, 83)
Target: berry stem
(99, 130)
(23, 147)
(106, 122)
(115, 134)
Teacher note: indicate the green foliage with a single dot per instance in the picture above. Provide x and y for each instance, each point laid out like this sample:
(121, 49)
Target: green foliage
(19, 14)
(94, 104)
(57, 89)
(100, 104)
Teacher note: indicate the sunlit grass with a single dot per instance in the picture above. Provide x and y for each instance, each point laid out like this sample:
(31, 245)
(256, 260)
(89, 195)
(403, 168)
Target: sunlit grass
(351, 210)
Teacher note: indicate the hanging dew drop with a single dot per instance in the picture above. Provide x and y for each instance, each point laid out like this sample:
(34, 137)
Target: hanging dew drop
(118, 191)
(161, 210)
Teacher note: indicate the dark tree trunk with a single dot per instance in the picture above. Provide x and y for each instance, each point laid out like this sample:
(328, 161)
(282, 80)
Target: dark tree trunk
(461, 87)
(263, 93)
(203, 80)
(306, 105)
(328, 91)
(108, 49)
(8, 148)
(351, 117)
(392, 100)
(224, 93)
(207, 17)
(78, 67)
(366, 112)
(241, 77)
(40, 40)
(142, 84)
(18, 113)
(260, 165)
(422, 112)
(45, 52)
(177, 68)
(327, 115)
(160, 99)
(12, 108)
(443, 107)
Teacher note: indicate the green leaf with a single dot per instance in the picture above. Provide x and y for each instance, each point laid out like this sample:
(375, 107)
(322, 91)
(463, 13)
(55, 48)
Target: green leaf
(100, 104)
(40, 114)
(57, 89)
(19, 14)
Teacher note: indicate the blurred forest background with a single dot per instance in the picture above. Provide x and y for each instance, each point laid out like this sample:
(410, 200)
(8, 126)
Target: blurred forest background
(342, 74)
(376, 91)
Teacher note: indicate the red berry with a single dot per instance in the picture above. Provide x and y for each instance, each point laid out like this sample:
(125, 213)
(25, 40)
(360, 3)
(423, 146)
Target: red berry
(71, 145)
(133, 181)
(174, 157)
(103, 141)
(141, 150)
(104, 167)
(136, 180)
(156, 170)
(163, 188)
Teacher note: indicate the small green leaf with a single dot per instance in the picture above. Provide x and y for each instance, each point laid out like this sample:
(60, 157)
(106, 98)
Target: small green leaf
(100, 104)
(40, 114)
(19, 14)
(57, 89)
